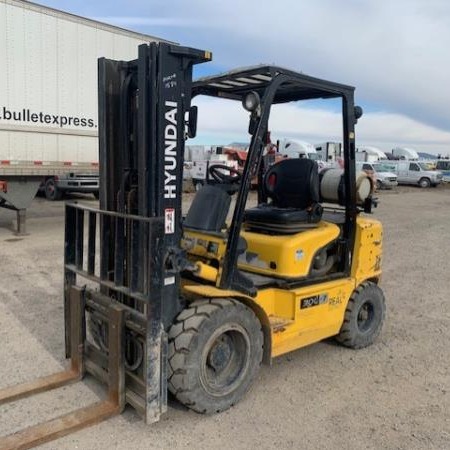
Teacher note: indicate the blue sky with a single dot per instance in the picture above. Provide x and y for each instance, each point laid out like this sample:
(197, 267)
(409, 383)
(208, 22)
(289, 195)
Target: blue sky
(396, 52)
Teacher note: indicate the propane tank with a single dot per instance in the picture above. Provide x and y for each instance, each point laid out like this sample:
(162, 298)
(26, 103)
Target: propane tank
(332, 187)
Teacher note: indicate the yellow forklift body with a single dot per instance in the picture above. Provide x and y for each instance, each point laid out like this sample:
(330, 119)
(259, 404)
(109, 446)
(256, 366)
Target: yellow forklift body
(297, 317)
(366, 262)
(303, 315)
(286, 256)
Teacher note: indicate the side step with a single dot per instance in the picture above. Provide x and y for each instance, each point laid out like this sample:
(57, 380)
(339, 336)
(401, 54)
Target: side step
(83, 417)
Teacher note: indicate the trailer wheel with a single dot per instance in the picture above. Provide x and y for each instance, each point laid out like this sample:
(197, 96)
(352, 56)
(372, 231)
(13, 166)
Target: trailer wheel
(363, 317)
(424, 183)
(52, 192)
(215, 350)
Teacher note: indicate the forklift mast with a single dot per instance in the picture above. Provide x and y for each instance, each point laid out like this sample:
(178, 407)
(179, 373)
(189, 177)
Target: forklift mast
(143, 106)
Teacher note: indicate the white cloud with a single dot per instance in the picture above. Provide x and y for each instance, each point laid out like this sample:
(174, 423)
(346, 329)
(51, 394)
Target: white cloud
(396, 53)
(224, 121)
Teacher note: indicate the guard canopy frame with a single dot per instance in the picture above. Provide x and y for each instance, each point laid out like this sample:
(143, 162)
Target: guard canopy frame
(276, 85)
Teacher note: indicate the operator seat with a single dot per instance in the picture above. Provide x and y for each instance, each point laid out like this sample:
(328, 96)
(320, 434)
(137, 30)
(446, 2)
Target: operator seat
(209, 209)
(293, 187)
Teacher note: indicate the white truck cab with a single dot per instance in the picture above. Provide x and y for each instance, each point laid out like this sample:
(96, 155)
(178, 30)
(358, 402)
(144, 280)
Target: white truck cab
(405, 153)
(382, 173)
(329, 152)
(291, 148)
(369, 154)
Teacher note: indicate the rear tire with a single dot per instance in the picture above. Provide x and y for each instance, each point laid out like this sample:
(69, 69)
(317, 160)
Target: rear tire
(424, 183)
(215, 350)
(363, 317)
(52, 192)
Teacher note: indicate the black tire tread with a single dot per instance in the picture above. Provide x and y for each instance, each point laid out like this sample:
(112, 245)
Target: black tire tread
(345, 337)
(181, 334)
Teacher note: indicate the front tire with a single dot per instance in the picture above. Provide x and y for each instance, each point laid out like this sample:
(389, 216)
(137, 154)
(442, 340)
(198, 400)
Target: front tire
(424, 183)
(364, 317)
(378, 185)
(215, 351)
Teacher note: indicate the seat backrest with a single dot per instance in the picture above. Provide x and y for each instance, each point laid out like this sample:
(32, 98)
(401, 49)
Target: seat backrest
(293, 183)
(209, 209)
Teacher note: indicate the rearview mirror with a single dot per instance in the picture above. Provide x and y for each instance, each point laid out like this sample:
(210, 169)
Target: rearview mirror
(358, 113)
(192, 122)
(253, 124)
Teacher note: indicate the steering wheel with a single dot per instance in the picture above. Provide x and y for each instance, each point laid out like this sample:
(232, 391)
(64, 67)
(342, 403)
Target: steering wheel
(216, 173)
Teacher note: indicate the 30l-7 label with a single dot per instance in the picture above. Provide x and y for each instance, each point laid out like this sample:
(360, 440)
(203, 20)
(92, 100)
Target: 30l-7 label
(313, 301)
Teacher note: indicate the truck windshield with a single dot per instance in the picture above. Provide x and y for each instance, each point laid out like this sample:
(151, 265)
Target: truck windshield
(443, 165)
(382, 168)
(426, 166)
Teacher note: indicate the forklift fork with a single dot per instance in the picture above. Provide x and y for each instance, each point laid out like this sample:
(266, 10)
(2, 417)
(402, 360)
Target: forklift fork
(83, 417)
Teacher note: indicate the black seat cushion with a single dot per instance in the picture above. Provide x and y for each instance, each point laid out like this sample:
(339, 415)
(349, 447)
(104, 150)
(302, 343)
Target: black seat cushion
(269, 214)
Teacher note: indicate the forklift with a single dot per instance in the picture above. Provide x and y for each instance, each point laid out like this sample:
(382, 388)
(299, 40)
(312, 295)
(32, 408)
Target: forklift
(157, 302)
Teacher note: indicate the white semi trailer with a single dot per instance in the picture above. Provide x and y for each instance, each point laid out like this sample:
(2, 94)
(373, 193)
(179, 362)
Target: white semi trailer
(48, 100)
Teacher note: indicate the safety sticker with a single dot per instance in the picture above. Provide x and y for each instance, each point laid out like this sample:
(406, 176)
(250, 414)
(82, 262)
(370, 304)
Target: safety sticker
(169, 280)
(169, 220)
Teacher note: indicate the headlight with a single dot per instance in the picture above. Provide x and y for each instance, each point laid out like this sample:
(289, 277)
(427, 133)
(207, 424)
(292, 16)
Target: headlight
(251, 101)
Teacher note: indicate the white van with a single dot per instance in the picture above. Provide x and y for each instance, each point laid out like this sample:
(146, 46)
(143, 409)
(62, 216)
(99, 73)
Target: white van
(416, 172)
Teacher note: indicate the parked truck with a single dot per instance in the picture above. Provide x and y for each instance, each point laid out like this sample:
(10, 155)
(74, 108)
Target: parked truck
(329, 151)
(382, 174)
(405, 153)
(292, 148)
(48, 100)
(369, 154)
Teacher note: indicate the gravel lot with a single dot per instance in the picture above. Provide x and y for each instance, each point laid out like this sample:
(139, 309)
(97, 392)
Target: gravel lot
(395, 394)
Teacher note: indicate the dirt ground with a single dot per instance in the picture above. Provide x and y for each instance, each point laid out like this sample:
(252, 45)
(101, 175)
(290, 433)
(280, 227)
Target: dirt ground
(394, 395)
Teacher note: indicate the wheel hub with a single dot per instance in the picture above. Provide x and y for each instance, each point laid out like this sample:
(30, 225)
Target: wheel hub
(225, 360)
(365, 316)
(220, 354)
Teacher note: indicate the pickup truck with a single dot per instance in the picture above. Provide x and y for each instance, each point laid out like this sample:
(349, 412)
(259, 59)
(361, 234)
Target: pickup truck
(382, 174)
